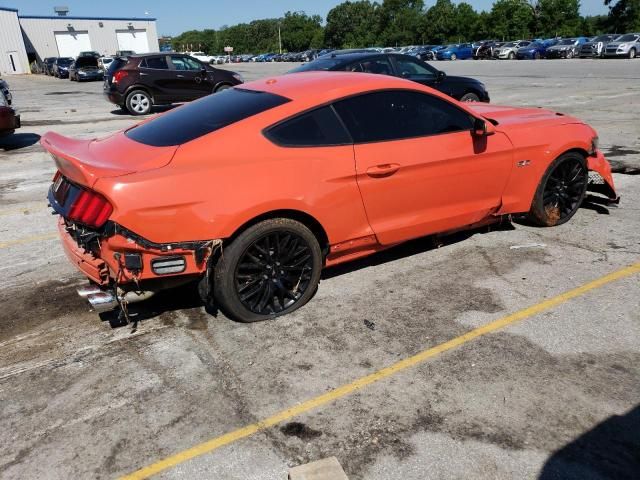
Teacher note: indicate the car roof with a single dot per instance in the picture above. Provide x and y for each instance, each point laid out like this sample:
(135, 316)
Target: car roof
(315, 87)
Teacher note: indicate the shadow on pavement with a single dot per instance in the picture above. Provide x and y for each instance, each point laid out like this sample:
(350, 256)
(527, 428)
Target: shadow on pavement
(18, 140)
(611, 450)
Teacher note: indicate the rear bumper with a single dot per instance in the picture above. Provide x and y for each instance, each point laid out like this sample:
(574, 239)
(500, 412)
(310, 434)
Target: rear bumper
(9, 120)
(107, 263)
(113, 95)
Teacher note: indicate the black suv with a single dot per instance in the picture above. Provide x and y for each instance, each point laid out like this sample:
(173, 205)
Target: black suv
(405, 66)
(138, 82)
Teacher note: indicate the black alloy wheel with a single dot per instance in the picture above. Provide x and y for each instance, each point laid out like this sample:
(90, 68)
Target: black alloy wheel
(270, 269)
(561, 191)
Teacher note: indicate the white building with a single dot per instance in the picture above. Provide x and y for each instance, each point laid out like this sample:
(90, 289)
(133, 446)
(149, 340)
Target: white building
(13, 55)
(25, 38)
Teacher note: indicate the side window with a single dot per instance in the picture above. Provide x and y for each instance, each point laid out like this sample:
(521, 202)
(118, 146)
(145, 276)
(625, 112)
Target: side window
(158, 63)
(398, 114)
(408, 68)
(319, 127)
(185, 63)
(376, 65)
(351, 67)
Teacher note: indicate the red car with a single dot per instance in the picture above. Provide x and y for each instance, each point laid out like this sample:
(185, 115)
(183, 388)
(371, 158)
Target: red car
(255, 189)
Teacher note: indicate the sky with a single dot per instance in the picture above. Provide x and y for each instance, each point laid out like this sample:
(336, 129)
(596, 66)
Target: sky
(176, 16)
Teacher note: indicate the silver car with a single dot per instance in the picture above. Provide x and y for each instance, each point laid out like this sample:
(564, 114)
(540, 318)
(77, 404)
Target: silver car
(596, 46)
(509, 49)
(627, 45)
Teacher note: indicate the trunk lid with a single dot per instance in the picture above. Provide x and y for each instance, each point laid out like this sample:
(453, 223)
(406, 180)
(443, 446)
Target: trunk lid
(85, 161)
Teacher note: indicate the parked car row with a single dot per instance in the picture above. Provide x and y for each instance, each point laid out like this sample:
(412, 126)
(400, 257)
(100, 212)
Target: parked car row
(87, 66)
(484, 49)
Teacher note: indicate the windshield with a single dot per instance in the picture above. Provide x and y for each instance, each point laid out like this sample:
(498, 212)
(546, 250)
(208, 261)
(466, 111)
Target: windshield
(510, 44)
(65, 61)
(323, 63)
(627, 38)
(198, 53)
(451, 46)
(566, 41)
(602, 38)
(534, 45)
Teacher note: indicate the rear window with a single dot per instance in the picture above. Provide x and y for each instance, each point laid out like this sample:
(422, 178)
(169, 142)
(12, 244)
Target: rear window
(116, 64)
(320, 127)
(204, 116)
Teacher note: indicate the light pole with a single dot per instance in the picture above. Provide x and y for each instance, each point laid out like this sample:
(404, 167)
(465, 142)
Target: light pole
(279, 39)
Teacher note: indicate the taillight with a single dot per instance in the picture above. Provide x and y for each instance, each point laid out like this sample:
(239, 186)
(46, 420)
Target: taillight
(90, 208)
(119, 75)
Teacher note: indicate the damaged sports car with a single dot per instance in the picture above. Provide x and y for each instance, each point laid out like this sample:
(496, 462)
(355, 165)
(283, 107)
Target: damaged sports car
(254, 190)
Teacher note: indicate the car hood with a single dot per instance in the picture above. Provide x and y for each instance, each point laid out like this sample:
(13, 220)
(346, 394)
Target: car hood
(560, 47)
(507, 118)
(85, 161)
(616, 44)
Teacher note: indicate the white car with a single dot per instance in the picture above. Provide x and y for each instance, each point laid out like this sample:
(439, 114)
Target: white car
(104, 62)
(203, 57)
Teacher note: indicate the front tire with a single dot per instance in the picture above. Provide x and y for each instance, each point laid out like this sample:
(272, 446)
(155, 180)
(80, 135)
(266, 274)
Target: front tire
(536, 56)
(561, 191)
(453, 57)
(512, 56)
(220, 88)
(632, 53)
(269, 270)
(139, 102)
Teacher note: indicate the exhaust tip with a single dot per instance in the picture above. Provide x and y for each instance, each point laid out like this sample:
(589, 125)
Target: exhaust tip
(102, 301)
(87, 290)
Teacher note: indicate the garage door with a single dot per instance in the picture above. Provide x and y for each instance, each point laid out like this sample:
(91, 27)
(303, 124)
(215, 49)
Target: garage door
(135, 40)
(70, 44)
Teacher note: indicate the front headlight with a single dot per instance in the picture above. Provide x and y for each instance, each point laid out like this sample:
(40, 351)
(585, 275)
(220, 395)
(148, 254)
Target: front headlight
(238, 77)
(622, 45)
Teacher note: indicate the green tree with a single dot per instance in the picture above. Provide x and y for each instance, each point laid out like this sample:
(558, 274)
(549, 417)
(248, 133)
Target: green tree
(624, 15)
(439, 22)
(299, 30)
(510, 19)
(558, 18)
(399, 22)
(466, 22)
(352, 25)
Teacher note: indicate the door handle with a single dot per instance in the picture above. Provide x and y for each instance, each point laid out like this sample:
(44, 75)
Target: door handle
(180, 76)
(142, 74)
(383, 170)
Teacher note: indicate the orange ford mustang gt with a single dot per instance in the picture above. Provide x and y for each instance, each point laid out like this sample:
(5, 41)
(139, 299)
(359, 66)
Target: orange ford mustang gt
(255, 189)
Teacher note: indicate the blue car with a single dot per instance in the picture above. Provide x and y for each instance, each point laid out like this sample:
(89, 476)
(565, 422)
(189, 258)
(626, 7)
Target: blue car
(459, 51)
(534, 51)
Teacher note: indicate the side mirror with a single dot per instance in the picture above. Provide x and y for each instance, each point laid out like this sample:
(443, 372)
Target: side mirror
(483, 128)
(441, 76)
(203, 70)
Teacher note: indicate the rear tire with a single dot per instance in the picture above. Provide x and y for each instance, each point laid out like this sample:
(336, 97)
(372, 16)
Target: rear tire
(561, 191)
(222, 87)
(470, 97)
(269, 270)
(139, 102)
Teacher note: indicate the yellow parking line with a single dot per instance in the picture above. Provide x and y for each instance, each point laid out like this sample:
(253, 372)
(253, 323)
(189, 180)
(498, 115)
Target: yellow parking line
(344, 390)
(34, 238)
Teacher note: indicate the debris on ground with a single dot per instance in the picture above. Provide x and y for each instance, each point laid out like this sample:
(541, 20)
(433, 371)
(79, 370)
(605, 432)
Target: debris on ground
(325, 469)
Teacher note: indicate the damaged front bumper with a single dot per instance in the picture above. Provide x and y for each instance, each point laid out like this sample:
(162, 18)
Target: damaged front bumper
(600, 177)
